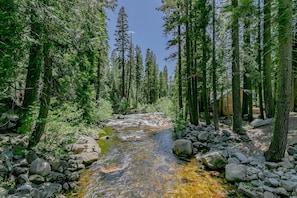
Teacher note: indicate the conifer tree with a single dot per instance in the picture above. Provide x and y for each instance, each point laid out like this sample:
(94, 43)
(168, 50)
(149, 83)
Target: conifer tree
(278, 144)
(122, 45)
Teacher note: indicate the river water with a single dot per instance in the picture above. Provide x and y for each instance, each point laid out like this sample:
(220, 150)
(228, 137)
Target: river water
(137, 159)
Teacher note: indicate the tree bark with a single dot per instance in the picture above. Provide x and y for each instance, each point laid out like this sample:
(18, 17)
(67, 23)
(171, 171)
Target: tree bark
(259, 61)
(214, 69)
(237, 121)
(45, 99)
(180, 85)
(278, 144)
(204, 62)
(34, 66)
(268, 100)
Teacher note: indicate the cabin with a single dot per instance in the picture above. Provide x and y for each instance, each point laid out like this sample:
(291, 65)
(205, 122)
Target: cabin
(225, 102)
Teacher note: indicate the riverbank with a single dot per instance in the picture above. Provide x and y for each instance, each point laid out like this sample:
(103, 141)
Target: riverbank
(240, 159)
(138, 150)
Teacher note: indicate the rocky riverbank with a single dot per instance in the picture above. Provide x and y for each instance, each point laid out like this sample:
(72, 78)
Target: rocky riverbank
(32, 174)
(247, 169)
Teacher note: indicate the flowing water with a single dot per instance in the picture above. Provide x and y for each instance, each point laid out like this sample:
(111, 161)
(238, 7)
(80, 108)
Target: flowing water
(137, 160)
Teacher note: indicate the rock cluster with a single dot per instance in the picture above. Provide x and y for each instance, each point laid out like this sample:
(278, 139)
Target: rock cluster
(27, 174)
(248, 171)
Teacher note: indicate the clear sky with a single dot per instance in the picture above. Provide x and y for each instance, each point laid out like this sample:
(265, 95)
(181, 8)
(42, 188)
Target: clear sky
(146, 23)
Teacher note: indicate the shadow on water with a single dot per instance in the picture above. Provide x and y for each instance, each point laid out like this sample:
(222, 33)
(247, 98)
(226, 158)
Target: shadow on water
(137, 160)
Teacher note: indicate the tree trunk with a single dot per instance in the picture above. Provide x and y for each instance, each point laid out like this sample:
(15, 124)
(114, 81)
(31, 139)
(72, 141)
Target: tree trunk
(214, 69)
(180, 85)
(259, 61)
(44, 99)
(98, 86)
(278, 144)
(33, 73)
(269, 103)
(204, 62)
(34, 66)
(237, 121)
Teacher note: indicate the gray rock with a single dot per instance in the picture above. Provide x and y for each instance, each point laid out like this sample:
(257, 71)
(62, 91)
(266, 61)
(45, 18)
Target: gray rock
(195, 133)
(268, 194)
(56, 177)
(22, 162)
(182, 148)
(271, 165)
(88, 158)
(31, 156)
(235, 172)
(213, 160)
(282, 192)
(192, 138)
(246, 190)
(233, 160)
(77, 148)
(272, 182)
(74, 176)
(288, 185)
(36, 179)
(203, 136)
(25, 188)
(268, 188)
(66, 186)
(19, 170)
(241, 157)
(51, 188)
(20, 195)
(292, 150)
(56, 164)
(294, 178)
(199, 145)
(23, 178)
(40, 166)
(3, 192)
(268, 173)
(3, 168)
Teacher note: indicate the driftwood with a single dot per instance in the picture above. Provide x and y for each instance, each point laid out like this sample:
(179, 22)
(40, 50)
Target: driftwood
(259, 123)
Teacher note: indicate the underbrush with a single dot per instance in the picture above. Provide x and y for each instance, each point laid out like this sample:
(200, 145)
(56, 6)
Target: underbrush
(163, 105)
(65, 125)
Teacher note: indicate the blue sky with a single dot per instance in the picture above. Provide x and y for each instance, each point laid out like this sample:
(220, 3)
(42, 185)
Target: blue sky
(146, 23)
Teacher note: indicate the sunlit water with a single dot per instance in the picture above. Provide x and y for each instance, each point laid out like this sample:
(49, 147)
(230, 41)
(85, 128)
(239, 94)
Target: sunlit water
(138, 160)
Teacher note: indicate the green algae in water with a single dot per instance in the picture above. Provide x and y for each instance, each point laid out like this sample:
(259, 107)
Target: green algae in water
(105, 144)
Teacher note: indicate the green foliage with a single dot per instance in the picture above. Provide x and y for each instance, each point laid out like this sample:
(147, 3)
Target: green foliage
(180, 124)
(163, 105)
(68, 113)
(6, 184)
(101, 110)
(122, 106)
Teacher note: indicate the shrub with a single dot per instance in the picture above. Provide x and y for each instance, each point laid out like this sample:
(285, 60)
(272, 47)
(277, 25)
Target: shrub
(163, 105)
(102, 110)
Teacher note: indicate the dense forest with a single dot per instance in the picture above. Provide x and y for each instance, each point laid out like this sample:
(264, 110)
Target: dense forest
(55, 65)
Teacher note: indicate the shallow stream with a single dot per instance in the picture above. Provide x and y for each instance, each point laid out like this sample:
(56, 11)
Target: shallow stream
(137, 161)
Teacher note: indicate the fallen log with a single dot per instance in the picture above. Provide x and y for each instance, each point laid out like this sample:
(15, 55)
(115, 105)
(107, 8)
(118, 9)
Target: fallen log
(259, 123)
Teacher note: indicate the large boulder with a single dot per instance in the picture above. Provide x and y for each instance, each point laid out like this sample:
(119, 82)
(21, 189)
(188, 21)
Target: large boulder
(214, 160)
(87, 158)
(40, 167)
(182, 148)
(235, 172)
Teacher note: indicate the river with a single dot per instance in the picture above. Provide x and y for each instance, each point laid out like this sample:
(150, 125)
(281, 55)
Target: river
(137, 160)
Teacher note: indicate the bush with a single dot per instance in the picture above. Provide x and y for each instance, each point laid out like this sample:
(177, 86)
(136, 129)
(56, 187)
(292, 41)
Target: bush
(102, 110)
(163, 105)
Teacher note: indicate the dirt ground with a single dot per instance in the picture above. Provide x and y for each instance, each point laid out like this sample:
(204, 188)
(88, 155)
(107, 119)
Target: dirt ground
(261, 137)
